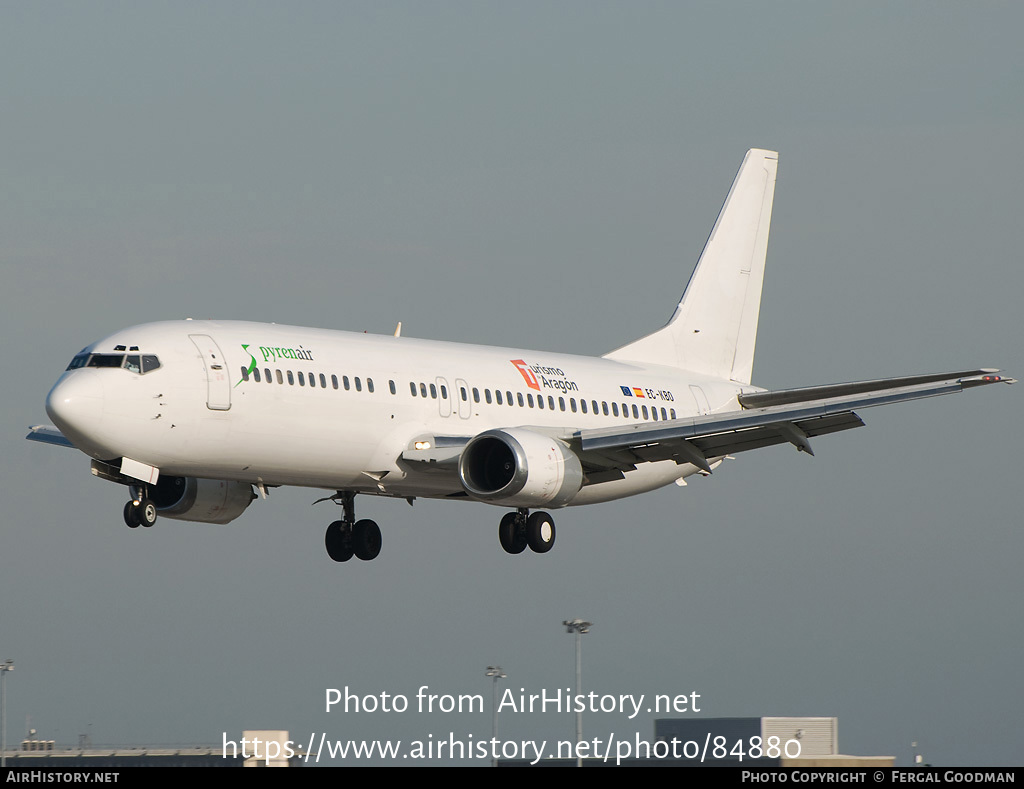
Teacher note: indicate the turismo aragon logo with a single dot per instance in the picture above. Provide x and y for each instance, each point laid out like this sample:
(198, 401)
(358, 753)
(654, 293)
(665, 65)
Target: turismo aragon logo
(536, 376)
(527, 373)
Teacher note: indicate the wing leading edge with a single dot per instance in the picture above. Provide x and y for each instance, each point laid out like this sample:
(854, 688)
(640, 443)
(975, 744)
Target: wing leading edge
(48, 434)
(784, 416)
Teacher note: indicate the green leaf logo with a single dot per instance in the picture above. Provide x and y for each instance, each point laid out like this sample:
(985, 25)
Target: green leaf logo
(252, 365)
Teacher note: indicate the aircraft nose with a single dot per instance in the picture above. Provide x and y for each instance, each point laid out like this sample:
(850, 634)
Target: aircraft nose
(75, 404)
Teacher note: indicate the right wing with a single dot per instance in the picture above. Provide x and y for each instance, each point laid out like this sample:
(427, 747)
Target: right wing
(784, 416)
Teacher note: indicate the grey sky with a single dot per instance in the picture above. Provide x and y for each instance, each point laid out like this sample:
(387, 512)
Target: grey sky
(539, 175)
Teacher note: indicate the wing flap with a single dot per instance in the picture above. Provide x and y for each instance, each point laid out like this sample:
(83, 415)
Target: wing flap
(770, 435)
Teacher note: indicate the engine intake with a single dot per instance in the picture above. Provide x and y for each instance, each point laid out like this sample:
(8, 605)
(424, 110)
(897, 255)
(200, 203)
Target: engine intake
(520, 468)
(202, 500)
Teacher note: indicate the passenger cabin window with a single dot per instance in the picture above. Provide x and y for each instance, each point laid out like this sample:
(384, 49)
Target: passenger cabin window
(334, 381)
(391, 386)
(412, 388)
(291, 379)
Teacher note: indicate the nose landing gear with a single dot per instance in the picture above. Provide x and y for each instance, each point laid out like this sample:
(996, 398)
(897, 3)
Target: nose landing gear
(140, 511)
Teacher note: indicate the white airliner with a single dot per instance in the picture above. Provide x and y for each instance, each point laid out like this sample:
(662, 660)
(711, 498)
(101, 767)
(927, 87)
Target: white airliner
(193, 415)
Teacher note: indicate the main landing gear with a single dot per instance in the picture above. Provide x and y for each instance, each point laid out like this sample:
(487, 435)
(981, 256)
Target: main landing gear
(140, 511)
(519, 529)
(349, 537)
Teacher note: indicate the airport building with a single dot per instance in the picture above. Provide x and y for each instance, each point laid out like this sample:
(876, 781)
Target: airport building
(46, 754)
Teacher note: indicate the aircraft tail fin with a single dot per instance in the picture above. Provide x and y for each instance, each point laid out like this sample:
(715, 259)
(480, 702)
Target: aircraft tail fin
(714, 328)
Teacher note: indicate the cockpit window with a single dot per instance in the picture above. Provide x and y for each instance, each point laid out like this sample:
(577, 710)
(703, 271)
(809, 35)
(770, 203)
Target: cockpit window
(78, 361)
(136, 363)
(106, 360)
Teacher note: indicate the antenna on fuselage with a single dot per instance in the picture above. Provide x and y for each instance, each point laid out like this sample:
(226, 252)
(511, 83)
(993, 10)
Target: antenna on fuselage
(398, 329)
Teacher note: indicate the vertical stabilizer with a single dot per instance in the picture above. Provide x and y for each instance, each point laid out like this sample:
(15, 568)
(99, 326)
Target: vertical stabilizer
(714, 328)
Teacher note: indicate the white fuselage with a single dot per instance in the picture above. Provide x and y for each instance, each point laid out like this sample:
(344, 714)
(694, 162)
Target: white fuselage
(284, 405)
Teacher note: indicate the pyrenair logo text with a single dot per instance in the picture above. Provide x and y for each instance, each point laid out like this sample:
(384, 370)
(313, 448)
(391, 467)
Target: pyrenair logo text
(273, 355)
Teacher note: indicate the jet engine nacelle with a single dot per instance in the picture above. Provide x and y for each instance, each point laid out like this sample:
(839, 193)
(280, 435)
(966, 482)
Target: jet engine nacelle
(520, 468)
(202, 500)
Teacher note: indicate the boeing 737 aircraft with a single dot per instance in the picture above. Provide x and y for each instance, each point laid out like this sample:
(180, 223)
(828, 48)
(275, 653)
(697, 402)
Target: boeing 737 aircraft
(194, 415)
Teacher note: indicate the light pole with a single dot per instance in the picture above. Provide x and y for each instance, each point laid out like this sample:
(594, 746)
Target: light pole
(7, 665)
(579, 627)
(495, 673)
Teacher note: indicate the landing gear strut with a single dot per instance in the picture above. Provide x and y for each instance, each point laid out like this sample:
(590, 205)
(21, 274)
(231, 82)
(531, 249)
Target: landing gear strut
(348, 537)
(519, 529)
